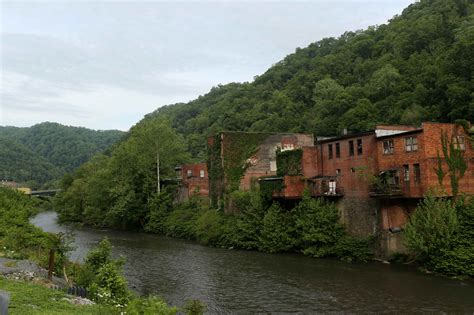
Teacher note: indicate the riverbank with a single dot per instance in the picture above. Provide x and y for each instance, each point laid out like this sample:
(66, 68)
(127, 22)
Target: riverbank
(24, 252)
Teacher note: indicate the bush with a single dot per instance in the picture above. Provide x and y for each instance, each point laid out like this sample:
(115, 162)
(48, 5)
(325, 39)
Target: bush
(109, 286)
(440, 235)
(209, 227)
(318, 227)
(194, 307)
(149, 305)
(351, 248)
(159, 207)
(432, 228)
(278, 231)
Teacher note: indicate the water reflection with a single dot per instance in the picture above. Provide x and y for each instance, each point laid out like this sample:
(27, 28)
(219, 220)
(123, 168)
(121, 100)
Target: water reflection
(252, 282)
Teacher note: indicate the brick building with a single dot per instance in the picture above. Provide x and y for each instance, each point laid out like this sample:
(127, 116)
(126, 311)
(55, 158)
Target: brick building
(237, 159)
(376, 178)
(193, 179)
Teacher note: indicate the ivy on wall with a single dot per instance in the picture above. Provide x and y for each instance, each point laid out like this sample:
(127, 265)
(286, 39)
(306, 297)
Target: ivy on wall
(226, 172)
(289, 162)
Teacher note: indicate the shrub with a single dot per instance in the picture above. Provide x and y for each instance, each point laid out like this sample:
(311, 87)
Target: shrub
(278, 230)
(209, 227)
(318, 227)
(159, 206)
(109, 286)
(432, 228)
(149, 305)
(194, 307)
(351, 248)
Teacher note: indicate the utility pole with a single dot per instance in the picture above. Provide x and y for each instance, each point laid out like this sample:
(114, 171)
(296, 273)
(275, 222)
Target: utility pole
(158, 171)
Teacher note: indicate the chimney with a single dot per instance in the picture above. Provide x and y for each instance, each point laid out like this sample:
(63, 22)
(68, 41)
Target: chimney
(344, 132)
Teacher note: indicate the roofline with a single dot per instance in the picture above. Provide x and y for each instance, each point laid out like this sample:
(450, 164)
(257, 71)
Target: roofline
(267, 133)
(353, 135)
(408, 132)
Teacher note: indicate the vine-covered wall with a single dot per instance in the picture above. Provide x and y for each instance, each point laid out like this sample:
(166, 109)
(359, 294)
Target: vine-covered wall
(289, 162)
(228, 155)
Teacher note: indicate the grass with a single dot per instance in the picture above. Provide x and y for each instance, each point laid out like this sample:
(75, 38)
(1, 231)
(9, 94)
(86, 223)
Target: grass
(34, 298)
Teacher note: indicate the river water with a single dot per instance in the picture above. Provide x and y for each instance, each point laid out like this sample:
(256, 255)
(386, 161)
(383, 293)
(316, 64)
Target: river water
(248, 282)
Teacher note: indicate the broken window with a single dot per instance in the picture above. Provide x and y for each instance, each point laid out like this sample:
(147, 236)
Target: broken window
(416, 173)
(351, 148)
(388, 146)
(411, 144)
(359, 146)
(406, 172)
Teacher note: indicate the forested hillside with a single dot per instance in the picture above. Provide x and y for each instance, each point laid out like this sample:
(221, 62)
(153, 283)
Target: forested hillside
(418, 67)
(46, 151)
(21, 164)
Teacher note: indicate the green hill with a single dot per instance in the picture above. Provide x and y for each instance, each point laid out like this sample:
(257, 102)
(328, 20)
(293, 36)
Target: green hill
(23, 165)
(419, 67)
(49, 147)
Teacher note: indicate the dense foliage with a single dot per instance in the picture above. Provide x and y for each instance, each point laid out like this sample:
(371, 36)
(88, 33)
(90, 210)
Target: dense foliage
(23, 165)
(45, 151)
(312, 227)
(440, 235)
(418, 67)
(19, 239)
(117, 190)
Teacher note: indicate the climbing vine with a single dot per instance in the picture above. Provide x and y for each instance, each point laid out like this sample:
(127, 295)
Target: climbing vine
(289, 162)
(226, 172)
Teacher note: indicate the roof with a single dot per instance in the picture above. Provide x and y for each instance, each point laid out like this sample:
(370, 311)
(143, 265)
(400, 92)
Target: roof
(402, 133)
(348, 136)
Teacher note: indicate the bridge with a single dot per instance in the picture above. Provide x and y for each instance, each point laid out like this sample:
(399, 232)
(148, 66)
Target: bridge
(49, 192)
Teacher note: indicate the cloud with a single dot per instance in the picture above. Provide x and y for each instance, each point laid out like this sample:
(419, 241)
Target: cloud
(106, 64)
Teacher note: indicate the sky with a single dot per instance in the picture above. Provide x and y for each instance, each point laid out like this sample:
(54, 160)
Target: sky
(105, 64)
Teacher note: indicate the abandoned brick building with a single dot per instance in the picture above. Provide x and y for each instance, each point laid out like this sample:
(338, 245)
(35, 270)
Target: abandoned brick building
(193, 179)
(376, 178)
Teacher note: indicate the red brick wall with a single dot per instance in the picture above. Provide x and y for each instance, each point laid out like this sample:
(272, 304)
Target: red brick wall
(309, 162)
(429, 144)
(195, 183)
(355, 170)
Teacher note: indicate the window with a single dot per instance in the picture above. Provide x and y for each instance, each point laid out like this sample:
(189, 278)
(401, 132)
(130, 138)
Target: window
(459, 143)
(338, 172)
(351, 148)
(406, 173)
(201, 173)
(416, 173)
(411, 144)
(330, 150)
(190, 173)
(353, 170)
(359, 146)
(338, 151)
(388, 146)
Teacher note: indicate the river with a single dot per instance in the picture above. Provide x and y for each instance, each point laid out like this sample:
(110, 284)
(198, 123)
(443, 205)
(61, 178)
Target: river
(248, 282)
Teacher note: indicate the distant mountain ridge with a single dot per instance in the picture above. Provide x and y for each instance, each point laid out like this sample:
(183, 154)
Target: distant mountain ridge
(45, 151)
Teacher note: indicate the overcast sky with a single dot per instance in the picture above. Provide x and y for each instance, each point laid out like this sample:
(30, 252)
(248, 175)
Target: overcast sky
(104, 64)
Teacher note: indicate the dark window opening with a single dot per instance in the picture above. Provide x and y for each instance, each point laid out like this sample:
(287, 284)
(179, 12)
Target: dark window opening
(359, 146)
(338, 151)
(406, 173)
(330, 151)
(388, 147)
(417, 173)
(351, 148)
